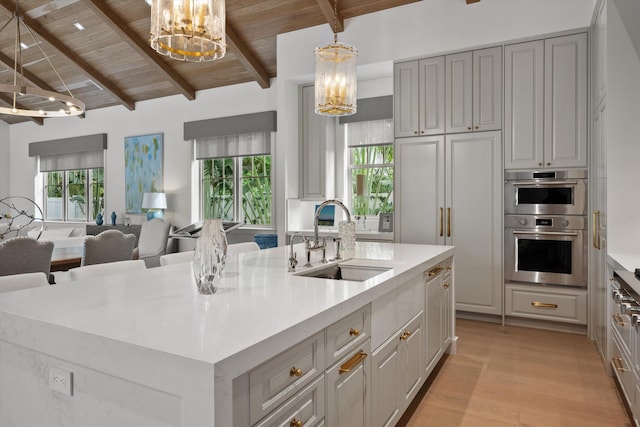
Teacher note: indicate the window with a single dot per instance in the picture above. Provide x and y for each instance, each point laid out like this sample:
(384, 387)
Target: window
(371, 166)
(236, 187)
(73, 195)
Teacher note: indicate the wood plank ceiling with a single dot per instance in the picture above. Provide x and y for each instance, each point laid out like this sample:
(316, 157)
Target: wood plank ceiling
(110, 61)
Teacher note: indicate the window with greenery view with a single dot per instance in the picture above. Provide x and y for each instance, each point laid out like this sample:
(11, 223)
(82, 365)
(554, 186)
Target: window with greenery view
(371, 167)
(74, 195)
(237, 189)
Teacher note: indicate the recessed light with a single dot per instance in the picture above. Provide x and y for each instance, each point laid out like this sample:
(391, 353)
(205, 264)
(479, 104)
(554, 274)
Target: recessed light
(78, 26)
(24, 45)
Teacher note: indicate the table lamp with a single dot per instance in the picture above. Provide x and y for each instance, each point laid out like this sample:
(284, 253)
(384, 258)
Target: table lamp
(154, 203)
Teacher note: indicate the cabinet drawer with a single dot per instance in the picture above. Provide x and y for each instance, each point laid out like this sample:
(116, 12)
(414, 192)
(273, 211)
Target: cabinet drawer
(557, 304)
(283, 376)
(306, 407)
(348, 333)
(622, 369)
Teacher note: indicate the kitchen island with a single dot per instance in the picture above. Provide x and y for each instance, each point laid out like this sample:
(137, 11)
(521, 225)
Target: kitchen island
(145, 349)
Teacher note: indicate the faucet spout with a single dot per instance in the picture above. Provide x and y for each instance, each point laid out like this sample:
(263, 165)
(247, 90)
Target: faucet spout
(293, 260)
(316, 240)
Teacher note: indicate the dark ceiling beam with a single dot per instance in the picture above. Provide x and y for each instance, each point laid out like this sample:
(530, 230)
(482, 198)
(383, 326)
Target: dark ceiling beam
(118, 26)
(327, 10)
(246, 58)
(91, 72)
(4, 99)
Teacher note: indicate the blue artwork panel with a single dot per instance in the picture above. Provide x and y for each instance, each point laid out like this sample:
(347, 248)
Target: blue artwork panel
(143, 169)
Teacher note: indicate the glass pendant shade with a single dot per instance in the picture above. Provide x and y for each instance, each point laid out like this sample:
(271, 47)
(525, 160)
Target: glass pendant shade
(336, 80)
(189, 30)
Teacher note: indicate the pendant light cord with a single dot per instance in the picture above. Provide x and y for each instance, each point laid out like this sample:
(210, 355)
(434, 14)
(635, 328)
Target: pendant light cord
(335, 21)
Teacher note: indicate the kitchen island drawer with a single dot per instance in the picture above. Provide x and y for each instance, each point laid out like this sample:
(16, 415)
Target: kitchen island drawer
(306, 408)
(280, 378)
(347, 334)
(548, 303)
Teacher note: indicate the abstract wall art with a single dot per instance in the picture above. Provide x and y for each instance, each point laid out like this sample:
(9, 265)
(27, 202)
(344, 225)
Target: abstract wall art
(143, 161)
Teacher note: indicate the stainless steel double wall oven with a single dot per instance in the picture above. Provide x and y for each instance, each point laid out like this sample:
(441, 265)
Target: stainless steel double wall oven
(545, 227)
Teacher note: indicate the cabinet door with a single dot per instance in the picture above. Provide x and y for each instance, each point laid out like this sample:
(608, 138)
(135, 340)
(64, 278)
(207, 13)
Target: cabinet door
(406, 92)
(412, 360)
(524, 105)
(487, 89)
(474, 194)
(566, 101)
(316, 172)
(385, 363)
(419, 190)
(432, 96)
(434, 320)
(348, 391)
(459, 92)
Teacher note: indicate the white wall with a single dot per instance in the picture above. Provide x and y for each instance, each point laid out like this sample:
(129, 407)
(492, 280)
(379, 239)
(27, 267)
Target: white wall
(623, 142)
(5, 147)
(418, 29)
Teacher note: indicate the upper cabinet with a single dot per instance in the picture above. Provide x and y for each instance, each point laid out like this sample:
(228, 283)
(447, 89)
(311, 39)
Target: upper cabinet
(449, 94)
(474, 90)
(546, 103)
(419, 97)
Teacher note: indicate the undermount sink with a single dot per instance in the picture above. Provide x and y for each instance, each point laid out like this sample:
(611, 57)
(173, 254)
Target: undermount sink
(358, 273)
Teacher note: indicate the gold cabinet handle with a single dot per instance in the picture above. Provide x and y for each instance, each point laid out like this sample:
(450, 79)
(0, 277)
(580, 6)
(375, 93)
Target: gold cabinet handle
(596, 229)
(297, 372)
(434, 271)
(618, 319)
(445, 285)
(405, 335)
(538, 304)
(355, 360)
(448, 222)
(295, 423)
(617, 363)
(441, 222)
(354, 332)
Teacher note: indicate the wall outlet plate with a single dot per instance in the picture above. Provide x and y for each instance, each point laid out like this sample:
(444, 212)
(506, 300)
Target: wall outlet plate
(61, 380)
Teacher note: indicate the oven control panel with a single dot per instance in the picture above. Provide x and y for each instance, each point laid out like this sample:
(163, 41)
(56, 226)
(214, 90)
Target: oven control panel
(548, 222)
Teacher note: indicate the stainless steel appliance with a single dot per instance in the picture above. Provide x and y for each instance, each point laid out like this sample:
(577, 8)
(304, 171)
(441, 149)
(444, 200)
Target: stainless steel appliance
(545, 249)
(546, 192)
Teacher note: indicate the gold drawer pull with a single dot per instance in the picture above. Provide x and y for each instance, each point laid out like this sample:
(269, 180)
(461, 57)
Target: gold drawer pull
(295, 372)
(295, 423)
(618, 319)
(405, 335)
(617, 363)
(349, 364)
(538, 304)
(354, 332)
(434, 271)
(445, 285)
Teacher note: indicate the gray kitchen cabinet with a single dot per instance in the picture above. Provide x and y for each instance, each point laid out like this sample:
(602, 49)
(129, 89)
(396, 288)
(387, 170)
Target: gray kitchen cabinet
(546, 103)
(435, 317)
(473, 96)
(449, 191)
(317, 147)
(419, 97)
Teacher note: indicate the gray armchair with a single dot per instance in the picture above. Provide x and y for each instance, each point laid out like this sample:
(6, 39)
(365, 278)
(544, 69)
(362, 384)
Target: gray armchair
(24, 254)
(108, 246)
(154, 236)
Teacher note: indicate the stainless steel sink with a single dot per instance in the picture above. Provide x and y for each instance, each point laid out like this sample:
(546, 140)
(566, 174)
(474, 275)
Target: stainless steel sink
(358, 273)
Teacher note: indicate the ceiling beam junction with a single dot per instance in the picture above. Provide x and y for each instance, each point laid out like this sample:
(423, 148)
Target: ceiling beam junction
(120, 27)
(246, 58)
(327, 10)
(91, 72)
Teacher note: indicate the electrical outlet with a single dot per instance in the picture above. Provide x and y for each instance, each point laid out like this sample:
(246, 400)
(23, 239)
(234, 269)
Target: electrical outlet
(61, 380)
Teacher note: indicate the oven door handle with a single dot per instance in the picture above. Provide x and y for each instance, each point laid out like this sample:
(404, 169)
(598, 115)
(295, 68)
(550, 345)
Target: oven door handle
(544, 184)
(547, 233)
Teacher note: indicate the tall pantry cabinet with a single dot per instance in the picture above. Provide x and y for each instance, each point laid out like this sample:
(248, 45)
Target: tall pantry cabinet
(448, 186)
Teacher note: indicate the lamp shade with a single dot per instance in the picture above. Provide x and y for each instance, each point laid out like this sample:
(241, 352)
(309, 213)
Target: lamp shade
(154, 201)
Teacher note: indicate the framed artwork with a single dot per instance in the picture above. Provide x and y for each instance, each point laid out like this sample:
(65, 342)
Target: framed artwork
(143, 169)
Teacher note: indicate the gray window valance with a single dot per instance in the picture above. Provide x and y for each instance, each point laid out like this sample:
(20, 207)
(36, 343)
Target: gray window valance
(81, 152)
(370, 109)
(233, 125)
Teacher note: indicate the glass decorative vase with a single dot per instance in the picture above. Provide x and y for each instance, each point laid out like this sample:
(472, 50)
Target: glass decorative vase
(210, 256)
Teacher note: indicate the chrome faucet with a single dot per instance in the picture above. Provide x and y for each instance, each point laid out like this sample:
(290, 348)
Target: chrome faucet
(293, 259)
(316, 239)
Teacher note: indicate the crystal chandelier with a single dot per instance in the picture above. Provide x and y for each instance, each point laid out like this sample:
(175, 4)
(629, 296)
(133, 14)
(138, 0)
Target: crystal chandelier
(189, 30)
(336, 79)
(49, 102)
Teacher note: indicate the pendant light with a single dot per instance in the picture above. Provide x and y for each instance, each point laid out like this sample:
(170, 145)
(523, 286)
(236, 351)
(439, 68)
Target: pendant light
(336, 79)
(50, 103)
(189, 30)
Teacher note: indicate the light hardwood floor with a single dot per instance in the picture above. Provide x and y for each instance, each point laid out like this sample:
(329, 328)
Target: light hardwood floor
(516, 376)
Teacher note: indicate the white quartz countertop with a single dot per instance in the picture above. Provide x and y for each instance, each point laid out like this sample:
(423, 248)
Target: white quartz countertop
(160, 308)
(626, 261)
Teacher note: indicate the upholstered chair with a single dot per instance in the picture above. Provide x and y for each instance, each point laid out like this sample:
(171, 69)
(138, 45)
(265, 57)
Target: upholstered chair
(108, 246)
(105, 269)
(23, 254)
(176, 258)
(16, 282)
(154, 235)
(236, 248)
